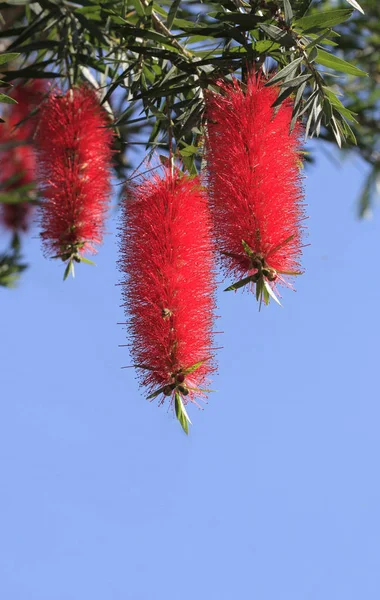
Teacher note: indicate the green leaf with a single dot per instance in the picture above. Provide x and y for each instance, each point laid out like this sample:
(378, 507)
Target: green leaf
(4, 58)
(239, 284)
(139, 7)
(336, 131)
(356, 5)
(157, 392)
(365, 197)
(284, 72)
(181, 413)
(87, 261)
(266, 296)
(10, 269)
(248, 21)
(338, 105)
(288, 12)
(69, 269)
(189, 151)
(38, 45)
(172, 13)
(333, 62)
(7, 99)
(295, 82)
(259, 290)
(271, 293)
(263, 46)
(277, 34)
(323, 20)
(247, 249)
(285, 93)
(194, 367)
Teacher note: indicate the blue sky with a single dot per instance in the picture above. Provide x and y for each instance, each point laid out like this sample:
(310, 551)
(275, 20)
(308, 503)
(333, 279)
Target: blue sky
(274, 495)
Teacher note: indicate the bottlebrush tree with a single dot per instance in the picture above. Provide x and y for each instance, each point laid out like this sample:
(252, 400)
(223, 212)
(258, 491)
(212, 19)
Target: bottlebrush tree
(222, 94)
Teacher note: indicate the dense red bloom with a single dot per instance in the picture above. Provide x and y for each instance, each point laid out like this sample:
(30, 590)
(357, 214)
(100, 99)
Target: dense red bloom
(22, 115)
(17, 156)
(253, 168)
(18, 165)
(74, 156)
(167, 259)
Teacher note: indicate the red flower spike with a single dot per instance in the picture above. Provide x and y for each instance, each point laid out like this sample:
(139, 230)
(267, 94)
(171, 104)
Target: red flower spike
(17, 156)
(253, 170)
(168, 288)
(74, 154)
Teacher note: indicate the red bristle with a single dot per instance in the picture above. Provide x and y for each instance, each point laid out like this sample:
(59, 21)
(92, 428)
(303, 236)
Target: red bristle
(74, 157)
(253, 169)
(168, 288)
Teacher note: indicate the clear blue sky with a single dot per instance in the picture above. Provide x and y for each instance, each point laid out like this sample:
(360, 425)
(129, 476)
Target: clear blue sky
(275, 494)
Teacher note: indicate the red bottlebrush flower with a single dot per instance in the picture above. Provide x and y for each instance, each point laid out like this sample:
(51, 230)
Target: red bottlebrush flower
(167, 259)
(253, 169)
(18, 162)
(22, 115)
(74, 152)
(18, 170)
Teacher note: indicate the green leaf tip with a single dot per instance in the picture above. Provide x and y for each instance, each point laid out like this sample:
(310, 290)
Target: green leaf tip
(181, 413)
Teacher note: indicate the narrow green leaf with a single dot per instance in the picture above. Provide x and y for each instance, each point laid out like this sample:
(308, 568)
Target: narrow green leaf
(292, 83)
(284, 72)
(156, 393)
(281, 245)
(239, 284)
(333, 62)
(87, 261)
(319, 39)
(180, 414)
(172, 13)
(356, 5)
(338, 105)
(336, 131)
(69, 269)
(247, 249)
(323, 20)
(39, 45)
(194, 367)
(282, 96)
(263, 46)
(249, 21)
(189, 150)
(365, 197)
(266, 296)
(259, 290)
(288, 12)
(139, 7)
(277, 34)
(4, 58)
(271, 292)
(293, 273)
(7, 99)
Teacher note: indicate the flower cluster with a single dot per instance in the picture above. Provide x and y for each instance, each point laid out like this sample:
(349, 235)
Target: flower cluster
(251, 211)
(74, 154)
(253, 170)
(167, 259)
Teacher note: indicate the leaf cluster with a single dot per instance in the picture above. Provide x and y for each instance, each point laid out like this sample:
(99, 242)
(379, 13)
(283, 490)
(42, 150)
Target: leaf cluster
(153, 61)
